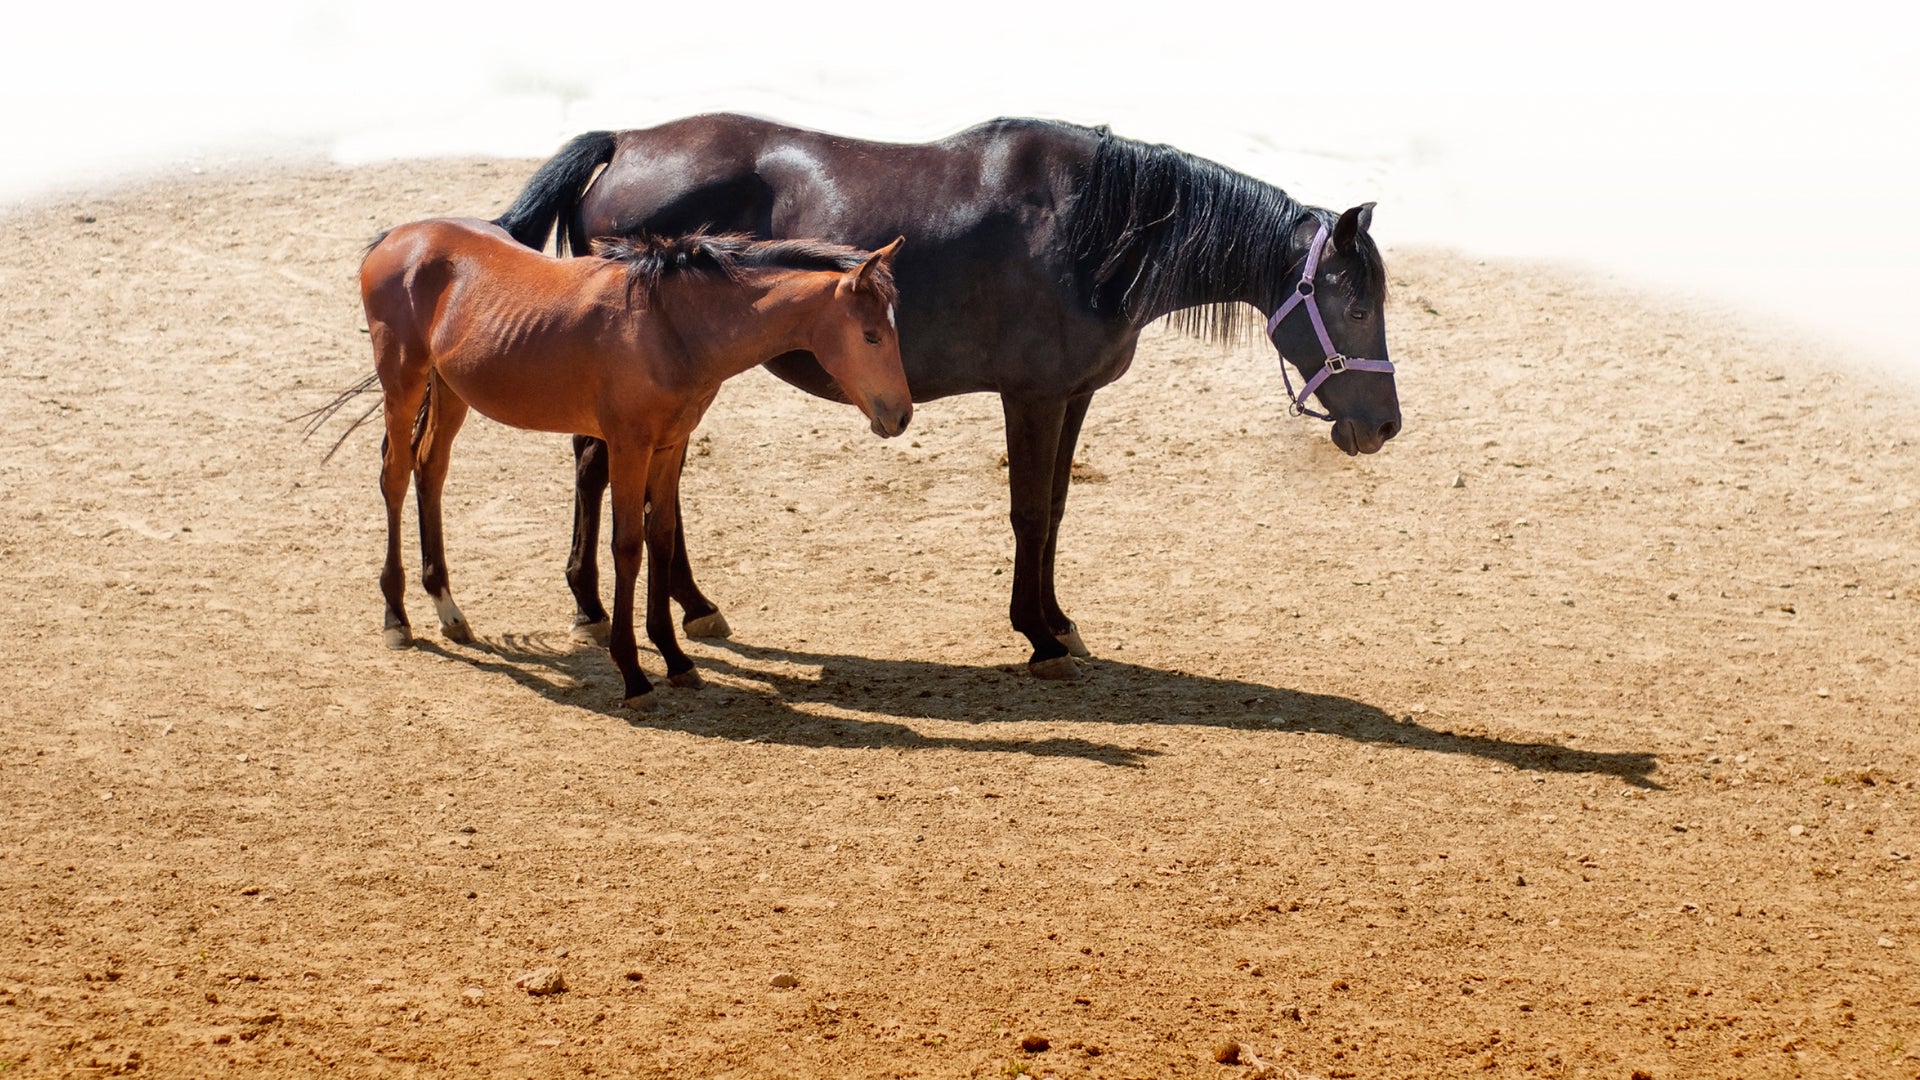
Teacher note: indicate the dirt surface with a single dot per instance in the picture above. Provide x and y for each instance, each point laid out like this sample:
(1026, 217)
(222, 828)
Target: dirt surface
(1599, 761)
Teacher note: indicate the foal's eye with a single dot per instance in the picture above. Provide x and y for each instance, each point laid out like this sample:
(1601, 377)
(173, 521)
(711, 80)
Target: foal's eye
(1358, 314)
(873, 337)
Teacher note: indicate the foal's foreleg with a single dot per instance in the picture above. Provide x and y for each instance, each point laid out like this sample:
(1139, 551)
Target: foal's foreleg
(628, 470)
(583, 566)
(699, 616)
(446, 411)
(663, 535)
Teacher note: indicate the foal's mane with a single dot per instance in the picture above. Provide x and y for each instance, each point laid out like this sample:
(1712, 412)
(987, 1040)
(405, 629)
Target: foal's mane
(650, 259)
(1154, 229)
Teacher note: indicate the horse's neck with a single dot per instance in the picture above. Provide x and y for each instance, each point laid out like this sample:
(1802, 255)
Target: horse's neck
(1231, 285)
(729, 327)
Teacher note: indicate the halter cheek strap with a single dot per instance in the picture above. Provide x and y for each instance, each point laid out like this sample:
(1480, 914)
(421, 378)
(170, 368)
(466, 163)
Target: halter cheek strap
(1334, 363)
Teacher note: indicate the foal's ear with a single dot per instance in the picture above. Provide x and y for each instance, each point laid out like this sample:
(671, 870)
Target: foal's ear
(863, 273)
(1351, 225)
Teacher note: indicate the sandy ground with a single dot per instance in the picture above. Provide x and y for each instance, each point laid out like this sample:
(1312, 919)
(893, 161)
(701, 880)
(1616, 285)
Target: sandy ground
(1599, 762)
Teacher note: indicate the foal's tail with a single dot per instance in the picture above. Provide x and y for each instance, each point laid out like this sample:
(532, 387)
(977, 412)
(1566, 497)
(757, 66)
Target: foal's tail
(548, 202)
(317, 418)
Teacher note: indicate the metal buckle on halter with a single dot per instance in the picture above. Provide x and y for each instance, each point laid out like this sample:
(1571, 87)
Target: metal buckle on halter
(1336, 364)
(1305, 288)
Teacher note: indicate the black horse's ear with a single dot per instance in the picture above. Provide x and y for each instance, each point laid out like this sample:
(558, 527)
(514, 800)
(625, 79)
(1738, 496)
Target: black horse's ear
(1351, 225)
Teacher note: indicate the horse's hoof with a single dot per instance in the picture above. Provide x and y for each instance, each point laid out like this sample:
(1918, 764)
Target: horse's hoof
(593, 633)
(710, 625)
(687, 680)
(1059, 668)
(397, 637)
(647, 702)
(458, 631)
(1071, 639)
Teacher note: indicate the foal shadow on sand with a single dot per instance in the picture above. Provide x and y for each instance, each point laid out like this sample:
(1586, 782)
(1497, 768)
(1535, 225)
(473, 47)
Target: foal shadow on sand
(755, 690)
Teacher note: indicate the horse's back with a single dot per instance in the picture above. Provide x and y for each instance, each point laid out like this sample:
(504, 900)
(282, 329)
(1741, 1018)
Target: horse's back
(980, 210)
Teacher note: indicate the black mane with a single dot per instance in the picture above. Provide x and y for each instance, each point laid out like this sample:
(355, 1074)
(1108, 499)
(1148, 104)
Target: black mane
(1153, 230)
(651, 258)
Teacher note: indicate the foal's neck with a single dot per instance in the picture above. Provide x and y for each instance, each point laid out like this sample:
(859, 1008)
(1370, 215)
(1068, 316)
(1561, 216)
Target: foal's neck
(729, 327)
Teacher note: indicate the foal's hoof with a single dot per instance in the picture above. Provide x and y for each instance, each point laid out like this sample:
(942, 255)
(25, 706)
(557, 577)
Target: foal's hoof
(593, 633)
(397, 637)
(712, 624)
(458, 631)
(687, 680)
(647, 702)
(1058, 668)
(1071, 639)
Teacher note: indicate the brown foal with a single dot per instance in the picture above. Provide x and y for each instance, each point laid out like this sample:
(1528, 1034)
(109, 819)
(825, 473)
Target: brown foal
(629, 347)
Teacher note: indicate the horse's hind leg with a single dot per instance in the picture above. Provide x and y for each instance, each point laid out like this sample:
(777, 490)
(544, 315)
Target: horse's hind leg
(701, 617)
(590, 621)
(446, 411)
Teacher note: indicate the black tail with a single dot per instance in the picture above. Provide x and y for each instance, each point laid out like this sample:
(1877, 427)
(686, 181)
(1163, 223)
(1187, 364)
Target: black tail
(549, 200)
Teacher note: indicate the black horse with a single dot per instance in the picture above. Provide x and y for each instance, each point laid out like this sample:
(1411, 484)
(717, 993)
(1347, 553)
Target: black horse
(1036, 252)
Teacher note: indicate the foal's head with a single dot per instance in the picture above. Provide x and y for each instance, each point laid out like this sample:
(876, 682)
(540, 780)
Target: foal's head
(857, 341)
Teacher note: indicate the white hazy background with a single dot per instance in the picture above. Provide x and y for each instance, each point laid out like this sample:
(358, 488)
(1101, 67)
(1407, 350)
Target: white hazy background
(1766, 156)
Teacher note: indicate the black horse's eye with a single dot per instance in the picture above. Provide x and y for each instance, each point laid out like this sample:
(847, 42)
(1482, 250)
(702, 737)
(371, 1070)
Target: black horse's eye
(873, 337)
(1358, 314)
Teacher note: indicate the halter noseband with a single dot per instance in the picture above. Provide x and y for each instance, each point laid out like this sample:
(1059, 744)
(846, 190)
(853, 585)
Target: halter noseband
(1334, 362)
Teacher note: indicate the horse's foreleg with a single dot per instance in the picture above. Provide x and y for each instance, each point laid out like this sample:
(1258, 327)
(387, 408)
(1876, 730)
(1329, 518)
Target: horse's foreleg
(1034, 428)
(663, 532)
(700, 617)
(1057, 621)
(628, 469)
(446, 411)
(583, 567)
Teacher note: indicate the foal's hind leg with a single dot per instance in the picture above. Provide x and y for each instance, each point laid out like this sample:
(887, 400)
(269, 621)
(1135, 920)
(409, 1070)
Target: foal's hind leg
(590, 621)
(446, 411)
(402, 402)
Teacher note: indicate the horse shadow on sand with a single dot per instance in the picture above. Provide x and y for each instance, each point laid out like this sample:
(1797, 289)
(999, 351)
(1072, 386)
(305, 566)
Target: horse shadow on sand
(754, 693)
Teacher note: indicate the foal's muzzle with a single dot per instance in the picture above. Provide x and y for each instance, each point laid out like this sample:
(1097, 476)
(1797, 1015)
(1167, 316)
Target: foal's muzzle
(888, 420)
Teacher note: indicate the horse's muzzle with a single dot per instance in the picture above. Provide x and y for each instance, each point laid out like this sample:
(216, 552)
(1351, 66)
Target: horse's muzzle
(1360, 437)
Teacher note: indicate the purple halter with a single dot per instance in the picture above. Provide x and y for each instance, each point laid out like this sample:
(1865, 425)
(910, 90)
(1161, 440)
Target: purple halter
(1334, 363)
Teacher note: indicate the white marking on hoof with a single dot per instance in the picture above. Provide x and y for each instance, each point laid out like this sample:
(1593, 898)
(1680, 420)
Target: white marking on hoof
(1061, 668)
(397, 637)
(647, 702)
(1071, 639)
(452, 623)
(594, 633)
(708, 626)
(687, 680)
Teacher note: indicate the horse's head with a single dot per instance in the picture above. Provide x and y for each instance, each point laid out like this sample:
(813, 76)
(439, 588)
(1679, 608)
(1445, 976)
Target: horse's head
(857, 341)
(1330, 324)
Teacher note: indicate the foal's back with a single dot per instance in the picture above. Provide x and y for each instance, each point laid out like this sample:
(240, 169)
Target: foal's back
(521, 337)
